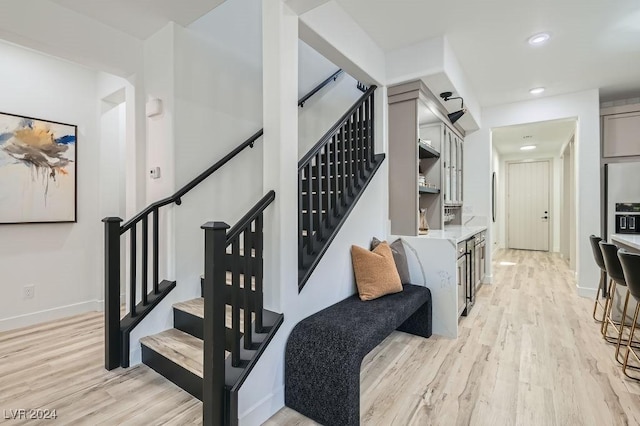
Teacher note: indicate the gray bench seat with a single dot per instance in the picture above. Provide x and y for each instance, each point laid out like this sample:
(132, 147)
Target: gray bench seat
(325, 350)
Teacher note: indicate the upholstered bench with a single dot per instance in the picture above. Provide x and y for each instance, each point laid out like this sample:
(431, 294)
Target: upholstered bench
(324, 351)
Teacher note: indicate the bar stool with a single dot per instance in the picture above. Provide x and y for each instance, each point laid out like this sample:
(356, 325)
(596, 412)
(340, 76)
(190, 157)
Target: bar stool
(614, 269)
(631, 266)
(597, 255)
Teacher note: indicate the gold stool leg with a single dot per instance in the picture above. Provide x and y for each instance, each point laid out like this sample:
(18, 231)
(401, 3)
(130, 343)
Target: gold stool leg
(607, 315)
(597, 302)
(624, 316)
(630, 349)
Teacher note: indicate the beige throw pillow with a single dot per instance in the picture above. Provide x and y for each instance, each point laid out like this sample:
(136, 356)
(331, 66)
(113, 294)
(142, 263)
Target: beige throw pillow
(375, 271)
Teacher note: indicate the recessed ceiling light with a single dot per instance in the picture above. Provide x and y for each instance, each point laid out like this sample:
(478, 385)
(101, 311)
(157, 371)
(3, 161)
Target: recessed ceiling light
(539, 39)
(536, 90)
(527, 147)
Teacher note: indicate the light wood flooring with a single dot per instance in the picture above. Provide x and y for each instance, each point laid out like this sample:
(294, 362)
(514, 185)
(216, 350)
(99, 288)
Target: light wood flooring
(60, 365)
(529, 354)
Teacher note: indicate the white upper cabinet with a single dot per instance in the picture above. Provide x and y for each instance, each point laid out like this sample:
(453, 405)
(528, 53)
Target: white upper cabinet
(621, 132)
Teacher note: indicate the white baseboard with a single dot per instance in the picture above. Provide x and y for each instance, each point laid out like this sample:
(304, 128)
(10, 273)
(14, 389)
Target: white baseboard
(263, 409)
(33, 318)
(587, 292)
(488, 279)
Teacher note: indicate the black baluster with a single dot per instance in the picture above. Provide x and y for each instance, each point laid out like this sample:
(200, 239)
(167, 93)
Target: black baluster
(310, 205)
(372, 129)
(345, 186)
(132, 276)
(235, 302)
(247, 276)
(361, 142)
(317, 216)
(145, 259)
(350, 156)
(327, 186)
(301, 203)
(356, 147)
(365, 123)
(336, 182)
(155, 244)
(258, 294)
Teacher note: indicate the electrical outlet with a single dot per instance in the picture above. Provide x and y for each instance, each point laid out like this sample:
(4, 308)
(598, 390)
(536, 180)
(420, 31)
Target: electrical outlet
(29, 291)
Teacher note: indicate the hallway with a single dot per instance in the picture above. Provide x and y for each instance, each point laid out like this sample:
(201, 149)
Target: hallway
(529, 354)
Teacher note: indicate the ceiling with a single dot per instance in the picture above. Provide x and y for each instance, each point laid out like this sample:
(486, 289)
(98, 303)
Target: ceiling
(548, 136)
(594, 44)
(141, 18)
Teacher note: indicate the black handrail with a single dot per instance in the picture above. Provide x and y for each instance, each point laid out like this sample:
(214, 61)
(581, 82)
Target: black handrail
(333, 77)
(176, 198)
(117, 338)
(251, 215)
(322, 142)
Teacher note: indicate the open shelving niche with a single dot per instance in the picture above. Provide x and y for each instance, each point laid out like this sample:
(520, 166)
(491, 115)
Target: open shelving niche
(420, 141)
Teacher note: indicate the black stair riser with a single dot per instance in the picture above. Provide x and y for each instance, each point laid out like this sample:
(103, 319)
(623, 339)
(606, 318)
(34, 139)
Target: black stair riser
(194, 326)
(190, 324)
(182, 377)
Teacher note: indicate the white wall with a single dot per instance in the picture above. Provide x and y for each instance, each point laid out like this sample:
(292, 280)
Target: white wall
(218, 106)
(327, 106)
(263, 392)
(212, 98)
(61, 260)
(477, 178)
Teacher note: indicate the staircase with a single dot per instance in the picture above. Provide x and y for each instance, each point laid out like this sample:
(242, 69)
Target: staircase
(177, 353)
(231, 307)
(331, 178)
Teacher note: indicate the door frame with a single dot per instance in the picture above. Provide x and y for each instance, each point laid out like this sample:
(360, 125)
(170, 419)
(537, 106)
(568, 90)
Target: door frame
(548, 160)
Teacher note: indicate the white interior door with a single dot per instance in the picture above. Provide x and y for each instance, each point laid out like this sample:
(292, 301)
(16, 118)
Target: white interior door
(528, 205)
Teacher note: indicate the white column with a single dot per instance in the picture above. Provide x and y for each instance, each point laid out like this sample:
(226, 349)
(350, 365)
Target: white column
(280, 151)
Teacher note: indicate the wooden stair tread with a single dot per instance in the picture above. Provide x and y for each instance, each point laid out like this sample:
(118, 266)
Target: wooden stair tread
(194, 307)
(181, 348)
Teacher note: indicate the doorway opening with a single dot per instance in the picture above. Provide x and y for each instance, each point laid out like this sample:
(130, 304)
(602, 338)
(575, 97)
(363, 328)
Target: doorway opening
(535, 190)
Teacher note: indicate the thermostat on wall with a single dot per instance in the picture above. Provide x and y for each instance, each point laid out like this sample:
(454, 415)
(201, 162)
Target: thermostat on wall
(154, 173)
(154, 107)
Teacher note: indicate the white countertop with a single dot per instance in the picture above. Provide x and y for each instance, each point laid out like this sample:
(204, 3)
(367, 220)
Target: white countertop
(456, 233)
(630, 240)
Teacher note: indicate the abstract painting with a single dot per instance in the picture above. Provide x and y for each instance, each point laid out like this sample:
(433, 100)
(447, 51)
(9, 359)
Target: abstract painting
(37, 170)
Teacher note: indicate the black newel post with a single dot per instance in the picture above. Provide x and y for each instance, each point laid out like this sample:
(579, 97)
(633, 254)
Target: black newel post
(111, 292)
(215, 241)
